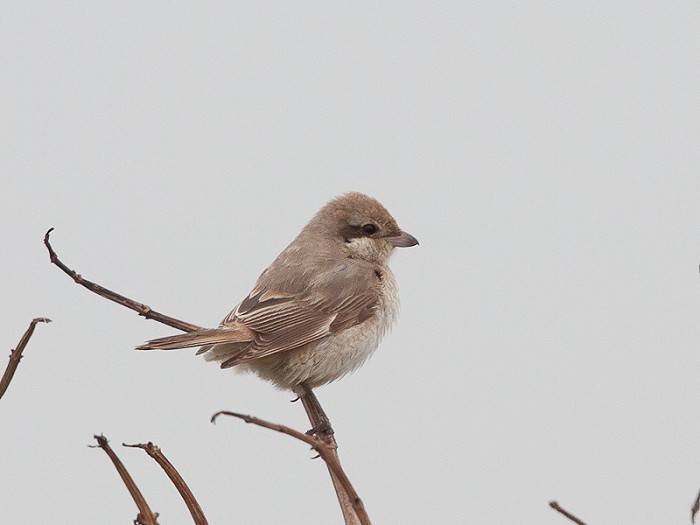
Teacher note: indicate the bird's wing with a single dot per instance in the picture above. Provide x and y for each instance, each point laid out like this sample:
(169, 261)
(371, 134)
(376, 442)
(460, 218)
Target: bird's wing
(283, 321)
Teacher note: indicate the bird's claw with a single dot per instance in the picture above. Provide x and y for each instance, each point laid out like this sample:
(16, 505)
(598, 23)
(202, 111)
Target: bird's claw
(321, 430)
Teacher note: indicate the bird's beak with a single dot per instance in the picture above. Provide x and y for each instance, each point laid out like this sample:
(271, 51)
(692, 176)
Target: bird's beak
(402, 241)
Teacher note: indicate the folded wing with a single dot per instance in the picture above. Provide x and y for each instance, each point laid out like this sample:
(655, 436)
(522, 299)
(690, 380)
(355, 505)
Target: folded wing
(270, 321)
(285, 322)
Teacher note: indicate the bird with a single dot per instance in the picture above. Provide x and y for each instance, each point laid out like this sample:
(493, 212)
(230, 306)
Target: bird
(319, 311)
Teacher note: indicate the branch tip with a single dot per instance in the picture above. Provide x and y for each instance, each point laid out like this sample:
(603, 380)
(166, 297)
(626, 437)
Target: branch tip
(225, 413)
(555, 505)
(140, 308)
(16, 354)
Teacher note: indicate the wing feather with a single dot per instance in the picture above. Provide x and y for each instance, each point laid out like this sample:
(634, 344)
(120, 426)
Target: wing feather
(284, 320)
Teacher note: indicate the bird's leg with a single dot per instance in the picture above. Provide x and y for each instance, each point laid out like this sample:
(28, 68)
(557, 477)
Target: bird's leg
(321, 424)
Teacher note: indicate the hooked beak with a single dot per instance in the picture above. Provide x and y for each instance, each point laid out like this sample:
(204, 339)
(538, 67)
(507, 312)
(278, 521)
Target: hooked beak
(402, 241)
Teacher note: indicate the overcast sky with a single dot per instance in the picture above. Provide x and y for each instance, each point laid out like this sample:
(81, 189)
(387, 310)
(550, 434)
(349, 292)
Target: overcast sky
(546, 156)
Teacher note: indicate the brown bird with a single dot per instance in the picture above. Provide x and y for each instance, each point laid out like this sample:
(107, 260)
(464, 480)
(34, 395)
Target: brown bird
(320, 309)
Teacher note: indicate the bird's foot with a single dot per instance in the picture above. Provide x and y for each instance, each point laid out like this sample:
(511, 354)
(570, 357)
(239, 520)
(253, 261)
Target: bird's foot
(322, 430)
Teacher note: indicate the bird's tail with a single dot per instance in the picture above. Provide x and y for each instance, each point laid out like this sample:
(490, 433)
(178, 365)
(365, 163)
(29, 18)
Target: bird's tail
(205, 337)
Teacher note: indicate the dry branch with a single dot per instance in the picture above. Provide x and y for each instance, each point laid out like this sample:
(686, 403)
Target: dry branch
(145, 516)
(325, 448)
(16, 354)
(348, 504)
(185, 492)
(573, 518)
(140, 308)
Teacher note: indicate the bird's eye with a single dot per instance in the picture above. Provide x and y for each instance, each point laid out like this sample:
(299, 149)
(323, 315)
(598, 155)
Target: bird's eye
(369, 229)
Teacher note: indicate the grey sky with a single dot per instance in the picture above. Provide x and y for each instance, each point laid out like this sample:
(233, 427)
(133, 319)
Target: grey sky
(545, 155)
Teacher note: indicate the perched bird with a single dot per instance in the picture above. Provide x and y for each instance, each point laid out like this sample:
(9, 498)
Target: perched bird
(319, 310)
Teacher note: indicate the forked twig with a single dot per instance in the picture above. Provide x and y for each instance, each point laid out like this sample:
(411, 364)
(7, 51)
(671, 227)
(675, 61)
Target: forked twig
(325, 449)
(145, 516)
(16, 354)
(573, 518)
(185, 492)
(140, 308)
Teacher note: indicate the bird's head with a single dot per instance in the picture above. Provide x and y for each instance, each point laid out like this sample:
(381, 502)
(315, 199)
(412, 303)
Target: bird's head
(364, 228)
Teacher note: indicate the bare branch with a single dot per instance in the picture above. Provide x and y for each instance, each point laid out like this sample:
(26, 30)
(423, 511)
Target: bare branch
(327, 449)
(185, 492)
(140, 308)
(314, 442)
(145, 516)
(320, 422)
(573, 518)
(696, 507)
(16, 354)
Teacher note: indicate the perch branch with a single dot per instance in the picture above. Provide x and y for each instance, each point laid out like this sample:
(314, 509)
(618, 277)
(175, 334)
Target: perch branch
(145, 516)
(16, 354)
(185, 492)
(140, 308)
(319, 421)
(560, 510)
(326, 449)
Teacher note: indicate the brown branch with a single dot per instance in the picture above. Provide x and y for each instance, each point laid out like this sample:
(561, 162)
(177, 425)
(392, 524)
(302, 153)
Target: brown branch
(140, 308)
(327, 449)
(573, 518)
(185, 492)
(16, 354)
(315, 443)
(696, 507)
(145, 515)
(319, 421)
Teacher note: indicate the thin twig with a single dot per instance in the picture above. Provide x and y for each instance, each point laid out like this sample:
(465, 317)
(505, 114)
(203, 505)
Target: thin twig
(146, 516)
(573, 518)
(185, 492)
(325, 449)
(696, 507)
(16, 354)
(313, 441)
(140, 308)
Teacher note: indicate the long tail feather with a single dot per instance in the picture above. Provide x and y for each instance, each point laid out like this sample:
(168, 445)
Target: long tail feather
(199, 338)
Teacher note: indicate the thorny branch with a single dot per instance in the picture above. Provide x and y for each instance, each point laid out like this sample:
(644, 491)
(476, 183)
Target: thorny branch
(16, 354)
